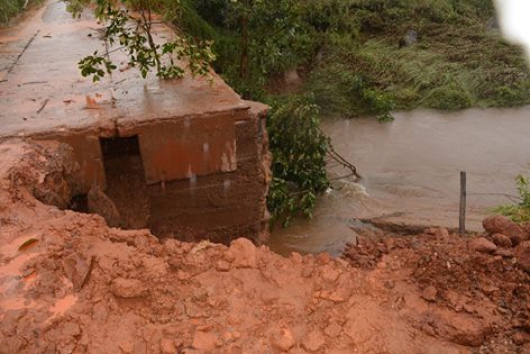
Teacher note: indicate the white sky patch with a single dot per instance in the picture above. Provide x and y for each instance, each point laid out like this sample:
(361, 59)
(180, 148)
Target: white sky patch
(514, 21)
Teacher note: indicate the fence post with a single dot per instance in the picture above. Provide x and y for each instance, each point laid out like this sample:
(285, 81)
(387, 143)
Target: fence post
(462, 214)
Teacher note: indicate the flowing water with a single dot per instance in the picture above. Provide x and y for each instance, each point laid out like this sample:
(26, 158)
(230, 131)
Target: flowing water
(411, 173)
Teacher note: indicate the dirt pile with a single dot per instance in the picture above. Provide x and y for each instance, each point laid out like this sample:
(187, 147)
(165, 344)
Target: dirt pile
(476, 291)
(71, 284)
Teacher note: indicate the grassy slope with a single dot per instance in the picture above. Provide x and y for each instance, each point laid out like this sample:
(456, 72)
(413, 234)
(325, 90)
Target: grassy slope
(456, 62)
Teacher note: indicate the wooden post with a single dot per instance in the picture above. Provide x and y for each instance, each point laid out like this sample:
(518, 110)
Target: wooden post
(462, 214)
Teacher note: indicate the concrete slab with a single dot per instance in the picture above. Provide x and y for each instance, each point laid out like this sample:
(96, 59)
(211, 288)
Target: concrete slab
(42, 90)
(43, 95)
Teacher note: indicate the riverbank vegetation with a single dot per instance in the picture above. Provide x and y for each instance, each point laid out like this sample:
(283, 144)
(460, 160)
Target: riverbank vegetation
(520, 211)
(363, 57)
(358, 57)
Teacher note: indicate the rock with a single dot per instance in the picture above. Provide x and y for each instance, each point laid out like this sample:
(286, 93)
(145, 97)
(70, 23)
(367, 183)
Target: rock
(504, 252)
(329, 274)
(100, 312)
(282, 340)
(429, 293)
(463, 330)
(502, 240)
(497, 224)
(482, 245)
(76, 268)
(297, 258)
(222, 266)
(243, 253)
(323, 258)
(440, 232)
(204, 341)
(314, 341)
(519, 338)
(522, 254)
(71, 329)
(128, 288)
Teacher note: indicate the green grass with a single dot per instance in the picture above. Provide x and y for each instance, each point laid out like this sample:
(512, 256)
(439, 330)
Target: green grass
(456, 63)
(519, 212)
(9, 9)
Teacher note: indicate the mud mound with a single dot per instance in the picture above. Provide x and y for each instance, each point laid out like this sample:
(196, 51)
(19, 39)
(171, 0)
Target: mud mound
(71, 284)
(460, 278)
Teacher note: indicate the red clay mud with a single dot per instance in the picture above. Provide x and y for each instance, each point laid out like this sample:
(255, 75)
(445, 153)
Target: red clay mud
(82, 287)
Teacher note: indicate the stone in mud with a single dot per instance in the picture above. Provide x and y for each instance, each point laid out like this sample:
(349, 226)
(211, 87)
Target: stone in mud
(128, 288)
(323, 258)
(482, 245)
(76, 268)
(71, 329)
(243, 253)
(282, 340)
(314, 341)
(440, 232)
(329, 273)
(519, 338)
(297, 258)
(502, 240)
(204, 341)
(460, 329)
(497, 224)
(522, 254)
(429, 293)
(222, 266)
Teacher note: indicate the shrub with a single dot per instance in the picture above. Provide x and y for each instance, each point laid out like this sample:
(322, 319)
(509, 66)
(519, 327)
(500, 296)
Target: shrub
(519, 212)
(299, 151)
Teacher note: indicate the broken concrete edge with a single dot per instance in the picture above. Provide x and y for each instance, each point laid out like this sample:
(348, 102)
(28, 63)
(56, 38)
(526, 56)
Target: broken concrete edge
(118, 127)
(246, 194)
(85, 140)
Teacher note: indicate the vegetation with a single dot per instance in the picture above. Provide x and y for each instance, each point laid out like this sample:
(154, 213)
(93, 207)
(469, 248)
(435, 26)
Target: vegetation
(10, 8)
(299, 149)
(133, 34)
(519, 212)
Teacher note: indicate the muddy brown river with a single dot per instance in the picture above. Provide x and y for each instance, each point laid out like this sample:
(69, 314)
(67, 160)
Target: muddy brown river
(410, 173)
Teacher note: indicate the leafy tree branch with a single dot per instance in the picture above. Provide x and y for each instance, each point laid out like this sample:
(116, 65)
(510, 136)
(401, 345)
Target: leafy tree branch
(129, 24)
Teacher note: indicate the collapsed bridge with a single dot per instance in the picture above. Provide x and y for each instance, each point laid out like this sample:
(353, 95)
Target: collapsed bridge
(185, 158)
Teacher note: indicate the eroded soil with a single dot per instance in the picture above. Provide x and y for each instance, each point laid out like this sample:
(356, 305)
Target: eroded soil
(71, 284)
